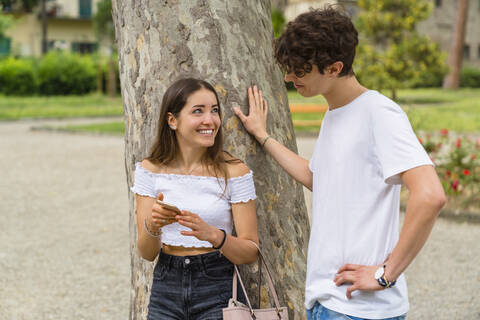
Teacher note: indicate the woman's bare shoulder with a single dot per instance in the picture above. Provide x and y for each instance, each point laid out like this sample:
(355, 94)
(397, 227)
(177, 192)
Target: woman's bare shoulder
(152, 167)
(236, 167)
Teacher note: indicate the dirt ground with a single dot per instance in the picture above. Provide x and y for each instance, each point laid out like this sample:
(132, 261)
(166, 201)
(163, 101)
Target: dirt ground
(64, 243)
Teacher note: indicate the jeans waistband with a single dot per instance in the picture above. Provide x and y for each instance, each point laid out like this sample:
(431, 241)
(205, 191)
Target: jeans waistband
(214, 257)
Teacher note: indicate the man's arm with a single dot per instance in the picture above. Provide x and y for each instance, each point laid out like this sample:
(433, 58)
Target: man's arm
(256, 124)
(424, 203)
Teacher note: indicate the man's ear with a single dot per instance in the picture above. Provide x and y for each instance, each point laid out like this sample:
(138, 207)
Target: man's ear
(334, 69)
(171, 120)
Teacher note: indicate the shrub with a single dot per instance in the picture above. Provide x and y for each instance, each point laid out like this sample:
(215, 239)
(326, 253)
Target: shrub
(17, 77)
(63, 73)
(470, 78)
(278, 21)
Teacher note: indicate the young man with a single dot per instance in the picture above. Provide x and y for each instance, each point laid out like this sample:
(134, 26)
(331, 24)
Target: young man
(365, 150)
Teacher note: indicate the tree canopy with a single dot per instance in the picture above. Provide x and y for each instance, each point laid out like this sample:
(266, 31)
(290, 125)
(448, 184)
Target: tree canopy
(391, 53)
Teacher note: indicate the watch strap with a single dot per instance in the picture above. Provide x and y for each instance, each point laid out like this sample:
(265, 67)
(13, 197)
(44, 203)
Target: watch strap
(384, 282)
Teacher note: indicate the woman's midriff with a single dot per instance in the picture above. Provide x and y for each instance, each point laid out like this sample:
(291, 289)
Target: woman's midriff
(183, 251)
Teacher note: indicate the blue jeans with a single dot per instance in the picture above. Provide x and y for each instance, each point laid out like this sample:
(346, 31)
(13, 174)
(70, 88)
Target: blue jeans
(319, 312)
(191, 287)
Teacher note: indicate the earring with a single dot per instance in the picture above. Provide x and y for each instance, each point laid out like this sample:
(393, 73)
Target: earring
(173, 127)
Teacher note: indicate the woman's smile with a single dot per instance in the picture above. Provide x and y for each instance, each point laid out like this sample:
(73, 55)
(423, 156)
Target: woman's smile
(206, 132)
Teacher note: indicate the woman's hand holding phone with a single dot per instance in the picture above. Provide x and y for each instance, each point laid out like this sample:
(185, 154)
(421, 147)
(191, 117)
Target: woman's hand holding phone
(162, 213)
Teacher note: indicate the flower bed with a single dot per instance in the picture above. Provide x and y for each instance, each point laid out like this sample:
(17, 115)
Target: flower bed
(457, 160)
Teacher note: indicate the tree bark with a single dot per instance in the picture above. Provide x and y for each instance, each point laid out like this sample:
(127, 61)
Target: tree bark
(44, 27)
(455, 56)
(112, 77)
(280, 4)
(229, 44)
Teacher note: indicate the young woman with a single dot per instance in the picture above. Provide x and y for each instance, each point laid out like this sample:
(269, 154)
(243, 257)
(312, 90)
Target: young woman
(187, 168)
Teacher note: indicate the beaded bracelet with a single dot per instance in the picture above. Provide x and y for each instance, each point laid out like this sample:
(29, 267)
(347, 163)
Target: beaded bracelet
(223, 241)
(265, 141)
(152, 234)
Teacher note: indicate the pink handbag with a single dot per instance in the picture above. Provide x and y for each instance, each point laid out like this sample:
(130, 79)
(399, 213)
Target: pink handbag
(238, 311)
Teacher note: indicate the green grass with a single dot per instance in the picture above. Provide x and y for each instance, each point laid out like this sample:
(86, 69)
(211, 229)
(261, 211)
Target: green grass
(435, 109)
(295, 98)
(93, 105)
(114, 128)
(428, 109)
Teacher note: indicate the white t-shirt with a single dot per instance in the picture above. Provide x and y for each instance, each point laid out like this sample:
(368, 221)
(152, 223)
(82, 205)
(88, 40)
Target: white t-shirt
(360, 152)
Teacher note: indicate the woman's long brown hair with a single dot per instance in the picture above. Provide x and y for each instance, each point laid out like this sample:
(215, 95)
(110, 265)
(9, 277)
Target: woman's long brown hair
(165, 148)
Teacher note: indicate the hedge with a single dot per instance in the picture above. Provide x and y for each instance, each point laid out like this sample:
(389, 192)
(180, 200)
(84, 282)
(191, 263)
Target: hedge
(470, 78)
(56, 73)
(17, 77)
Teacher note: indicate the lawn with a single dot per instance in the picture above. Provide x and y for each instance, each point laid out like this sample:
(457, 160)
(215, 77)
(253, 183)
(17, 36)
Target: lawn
(93, 105)
(428, 109)
(114, 128)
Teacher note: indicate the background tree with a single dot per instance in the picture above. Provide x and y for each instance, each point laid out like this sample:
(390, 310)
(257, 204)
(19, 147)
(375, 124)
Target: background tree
(279, 4)
(391, 54)
(105, 32)
(228, 43)
(455, 56)
(278, 21)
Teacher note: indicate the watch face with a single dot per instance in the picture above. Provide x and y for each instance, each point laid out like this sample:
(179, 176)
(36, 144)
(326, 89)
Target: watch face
(380, 271)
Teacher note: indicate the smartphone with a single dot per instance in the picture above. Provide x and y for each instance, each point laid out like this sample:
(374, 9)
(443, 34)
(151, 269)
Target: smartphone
(169, 206)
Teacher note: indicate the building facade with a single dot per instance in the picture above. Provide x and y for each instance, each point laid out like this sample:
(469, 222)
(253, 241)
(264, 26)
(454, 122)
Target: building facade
(69, 27)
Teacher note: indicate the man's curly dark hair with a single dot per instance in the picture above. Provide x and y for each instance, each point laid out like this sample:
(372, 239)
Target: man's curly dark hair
(318, 37)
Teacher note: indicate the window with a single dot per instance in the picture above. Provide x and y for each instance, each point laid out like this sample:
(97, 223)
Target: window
(5, 44)
(57, 45)
(466, 51)
(438, 3)
(6, 8)
(85, 7)
(84, 47)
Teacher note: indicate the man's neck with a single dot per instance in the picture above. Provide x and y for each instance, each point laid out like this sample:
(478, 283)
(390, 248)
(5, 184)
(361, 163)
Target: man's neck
(344, 91)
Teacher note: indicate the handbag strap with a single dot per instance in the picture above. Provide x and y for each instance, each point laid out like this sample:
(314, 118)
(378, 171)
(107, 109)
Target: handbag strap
(269, 281)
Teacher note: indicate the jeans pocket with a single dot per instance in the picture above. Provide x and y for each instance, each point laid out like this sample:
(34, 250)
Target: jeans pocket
(220, 271)
(160, 272)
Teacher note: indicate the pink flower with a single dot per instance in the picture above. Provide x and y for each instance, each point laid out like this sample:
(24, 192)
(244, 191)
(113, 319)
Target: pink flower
(444, 132)
(466, 172)
(455, 185)
(458, 143)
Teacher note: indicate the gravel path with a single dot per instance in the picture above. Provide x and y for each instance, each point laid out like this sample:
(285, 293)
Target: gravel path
(64, 251)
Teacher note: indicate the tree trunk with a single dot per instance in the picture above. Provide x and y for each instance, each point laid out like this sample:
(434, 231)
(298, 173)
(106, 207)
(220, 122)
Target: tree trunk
(44, 27)
(98, 61)
(229, 44)
(112, 77)
(455, 56)
(394, 93)
(280, 4)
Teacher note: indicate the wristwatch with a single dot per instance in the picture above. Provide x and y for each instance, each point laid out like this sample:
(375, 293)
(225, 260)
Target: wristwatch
(382, 280)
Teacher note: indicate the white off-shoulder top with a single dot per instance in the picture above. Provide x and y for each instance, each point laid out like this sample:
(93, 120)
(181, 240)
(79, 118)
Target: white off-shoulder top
(202, 195)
